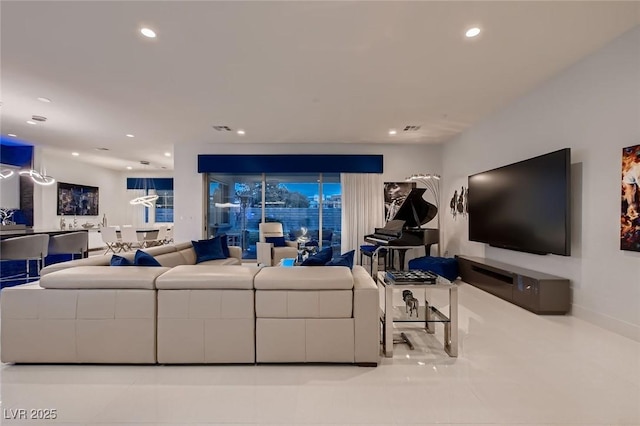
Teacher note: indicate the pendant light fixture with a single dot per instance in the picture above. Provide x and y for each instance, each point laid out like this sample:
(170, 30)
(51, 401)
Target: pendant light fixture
(38, 177)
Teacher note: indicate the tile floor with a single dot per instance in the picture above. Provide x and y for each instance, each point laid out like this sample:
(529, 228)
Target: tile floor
(514, 368)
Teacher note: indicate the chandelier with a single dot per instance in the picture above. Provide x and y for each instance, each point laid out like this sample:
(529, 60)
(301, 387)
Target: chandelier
(146, 200)
(40, 178)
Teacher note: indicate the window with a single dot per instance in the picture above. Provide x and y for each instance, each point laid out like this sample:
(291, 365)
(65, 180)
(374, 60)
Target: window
(164, 206)
(309, 206)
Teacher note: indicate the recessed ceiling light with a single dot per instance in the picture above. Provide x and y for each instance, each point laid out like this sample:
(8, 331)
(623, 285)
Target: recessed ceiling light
(129, 167)
(148, 32)
(31, 122)
(47, 100)
(240, 132)
(13, 135)
(472, 32)
(393, 132)
(167, 154)
(75, 154)
(130, 135)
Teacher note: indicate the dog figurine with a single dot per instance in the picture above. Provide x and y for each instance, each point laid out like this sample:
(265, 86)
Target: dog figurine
(411, 303)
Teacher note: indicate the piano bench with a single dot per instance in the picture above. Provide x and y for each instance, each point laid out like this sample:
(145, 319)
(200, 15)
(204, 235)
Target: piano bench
(367, 250)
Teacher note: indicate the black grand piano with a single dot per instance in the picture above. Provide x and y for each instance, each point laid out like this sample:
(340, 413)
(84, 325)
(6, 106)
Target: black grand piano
(405, 230)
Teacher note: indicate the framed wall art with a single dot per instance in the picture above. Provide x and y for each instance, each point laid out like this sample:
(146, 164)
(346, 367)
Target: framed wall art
(630, 206)
(79, 200)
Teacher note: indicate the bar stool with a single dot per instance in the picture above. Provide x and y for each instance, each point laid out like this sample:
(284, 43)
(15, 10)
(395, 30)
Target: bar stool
(25, 248)
(367, 250)
(72, 243)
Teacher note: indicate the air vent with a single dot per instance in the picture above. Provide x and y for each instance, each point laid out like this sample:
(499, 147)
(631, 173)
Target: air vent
(102, 149)
(222, 128)
(39, 118)
(411, 128)
(144, 162)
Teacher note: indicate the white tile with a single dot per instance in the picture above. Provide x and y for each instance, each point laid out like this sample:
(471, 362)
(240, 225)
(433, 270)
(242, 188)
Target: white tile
(514, 368)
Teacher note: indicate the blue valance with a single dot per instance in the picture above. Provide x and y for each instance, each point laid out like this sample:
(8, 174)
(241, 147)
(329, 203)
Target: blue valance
(150, 183)
(290, 164)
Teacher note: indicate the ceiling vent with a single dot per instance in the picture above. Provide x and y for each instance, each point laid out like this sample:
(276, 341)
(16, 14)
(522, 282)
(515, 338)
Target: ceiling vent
(411, 128)
(39, 118)
(144, 162)
(222, 128)
(102, 149)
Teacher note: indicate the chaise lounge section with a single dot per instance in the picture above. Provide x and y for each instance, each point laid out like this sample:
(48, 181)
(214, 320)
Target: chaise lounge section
(316, 314)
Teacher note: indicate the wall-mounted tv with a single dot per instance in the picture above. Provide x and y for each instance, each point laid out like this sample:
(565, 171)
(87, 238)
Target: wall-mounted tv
(524, 206)
(80, 200)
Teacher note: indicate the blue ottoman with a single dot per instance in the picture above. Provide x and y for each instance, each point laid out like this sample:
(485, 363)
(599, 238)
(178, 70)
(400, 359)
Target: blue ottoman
(443, 266)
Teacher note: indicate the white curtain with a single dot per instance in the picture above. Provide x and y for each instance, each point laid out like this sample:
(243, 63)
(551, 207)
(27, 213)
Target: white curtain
(362, 208)
(134, 213)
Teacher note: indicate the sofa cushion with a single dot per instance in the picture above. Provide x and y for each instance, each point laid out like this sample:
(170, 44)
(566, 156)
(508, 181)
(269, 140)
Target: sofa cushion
(344, 260)
(208, 277)
(144, 259)
(119, 261)
(304, 278)
(319, 259)
(103, 277)
(228, 261)
(210, 249)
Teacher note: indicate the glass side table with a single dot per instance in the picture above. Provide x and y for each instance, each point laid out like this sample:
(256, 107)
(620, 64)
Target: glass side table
(426, 313)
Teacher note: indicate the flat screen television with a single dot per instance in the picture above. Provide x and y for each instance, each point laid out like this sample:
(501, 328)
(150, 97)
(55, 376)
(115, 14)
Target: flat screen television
(524, 206)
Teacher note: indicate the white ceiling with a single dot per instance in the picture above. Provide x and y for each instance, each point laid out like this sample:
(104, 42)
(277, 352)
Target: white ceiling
(287, 72)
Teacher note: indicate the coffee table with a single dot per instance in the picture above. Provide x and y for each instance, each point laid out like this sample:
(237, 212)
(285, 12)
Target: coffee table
(427, 313)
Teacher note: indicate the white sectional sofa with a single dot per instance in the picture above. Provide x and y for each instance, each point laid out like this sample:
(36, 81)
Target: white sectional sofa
(182, 313)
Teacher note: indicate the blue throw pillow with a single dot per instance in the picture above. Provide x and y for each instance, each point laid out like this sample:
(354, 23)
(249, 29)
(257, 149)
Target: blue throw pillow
(208, 249)
(319, 259)
(345, 259)
(277, 241)
(225, 245)
(119, 261)
(144, 259)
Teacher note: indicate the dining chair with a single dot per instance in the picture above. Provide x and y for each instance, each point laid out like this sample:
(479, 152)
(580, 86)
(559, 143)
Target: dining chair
(129, 238)
(110, 238)
(157, 237)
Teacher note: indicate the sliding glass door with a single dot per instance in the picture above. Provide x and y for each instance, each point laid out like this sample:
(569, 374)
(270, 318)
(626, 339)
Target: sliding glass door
(235, 209)
(309, 207)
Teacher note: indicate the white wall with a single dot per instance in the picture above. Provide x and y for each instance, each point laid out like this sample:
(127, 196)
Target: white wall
(112, 184)
(400, 161)
(594, 109)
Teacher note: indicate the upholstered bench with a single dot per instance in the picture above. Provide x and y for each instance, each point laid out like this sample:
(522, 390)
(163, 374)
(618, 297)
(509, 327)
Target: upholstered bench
(444, 266)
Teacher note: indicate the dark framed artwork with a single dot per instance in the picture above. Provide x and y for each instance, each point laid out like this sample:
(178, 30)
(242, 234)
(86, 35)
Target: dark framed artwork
(630, 211)
(79, 200)
(394, 195)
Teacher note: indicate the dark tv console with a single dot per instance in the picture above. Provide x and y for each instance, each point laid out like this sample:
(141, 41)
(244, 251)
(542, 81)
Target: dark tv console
(535, 291)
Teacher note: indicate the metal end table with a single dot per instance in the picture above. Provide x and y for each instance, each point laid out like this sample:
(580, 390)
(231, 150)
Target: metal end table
(426, 313)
